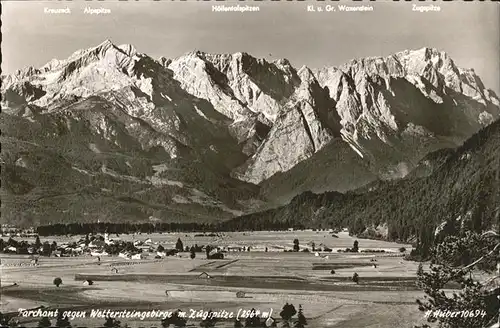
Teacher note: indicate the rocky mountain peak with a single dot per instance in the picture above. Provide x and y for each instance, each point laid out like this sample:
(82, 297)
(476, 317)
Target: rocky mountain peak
(194, 53)
(240, 55)
(87, 72)
(282, 62)
(306, 75)
(401, 98)
(426, 53)
(106, 42)
(164, 61)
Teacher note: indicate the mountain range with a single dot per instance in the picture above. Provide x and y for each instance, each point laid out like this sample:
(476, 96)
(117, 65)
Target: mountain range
(112, 134)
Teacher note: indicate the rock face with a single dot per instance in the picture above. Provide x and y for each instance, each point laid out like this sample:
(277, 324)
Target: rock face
(307, 123)
(113, 132)
(397, 109)
(249, 91)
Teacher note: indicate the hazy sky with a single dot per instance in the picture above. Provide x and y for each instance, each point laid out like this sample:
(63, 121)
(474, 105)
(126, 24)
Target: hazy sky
(468, 32)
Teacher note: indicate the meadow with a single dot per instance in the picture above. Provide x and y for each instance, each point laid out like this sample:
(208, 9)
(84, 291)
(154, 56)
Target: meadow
(384, 297)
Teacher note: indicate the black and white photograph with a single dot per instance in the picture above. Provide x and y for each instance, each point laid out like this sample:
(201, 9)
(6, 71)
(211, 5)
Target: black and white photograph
(319, 164)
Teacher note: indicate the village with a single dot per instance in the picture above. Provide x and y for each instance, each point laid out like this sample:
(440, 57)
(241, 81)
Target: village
(137, 247)
(102, 245)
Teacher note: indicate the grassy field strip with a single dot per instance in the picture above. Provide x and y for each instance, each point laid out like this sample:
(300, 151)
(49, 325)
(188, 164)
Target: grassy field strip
(93, 263)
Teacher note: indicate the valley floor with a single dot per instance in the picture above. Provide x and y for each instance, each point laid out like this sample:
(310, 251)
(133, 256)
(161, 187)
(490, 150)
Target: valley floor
(385, 296)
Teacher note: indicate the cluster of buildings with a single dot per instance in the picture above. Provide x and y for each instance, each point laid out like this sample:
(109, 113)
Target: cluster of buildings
(102, 246)
(7, 230)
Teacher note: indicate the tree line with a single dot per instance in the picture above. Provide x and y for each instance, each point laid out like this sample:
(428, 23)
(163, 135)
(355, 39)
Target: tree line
(138, 228)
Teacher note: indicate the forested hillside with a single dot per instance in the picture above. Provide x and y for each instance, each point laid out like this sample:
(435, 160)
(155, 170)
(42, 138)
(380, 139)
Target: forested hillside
(463, 187)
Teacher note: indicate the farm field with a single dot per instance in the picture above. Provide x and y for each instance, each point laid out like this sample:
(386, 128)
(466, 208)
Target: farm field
(384, 297)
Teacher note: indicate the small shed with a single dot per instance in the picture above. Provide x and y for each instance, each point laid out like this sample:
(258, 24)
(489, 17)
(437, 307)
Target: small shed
(240, 294)
(88, 282)
(138, 256)
(204, 275)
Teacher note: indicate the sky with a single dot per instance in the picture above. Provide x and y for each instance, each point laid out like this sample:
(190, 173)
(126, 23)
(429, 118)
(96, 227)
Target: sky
(468, 32)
